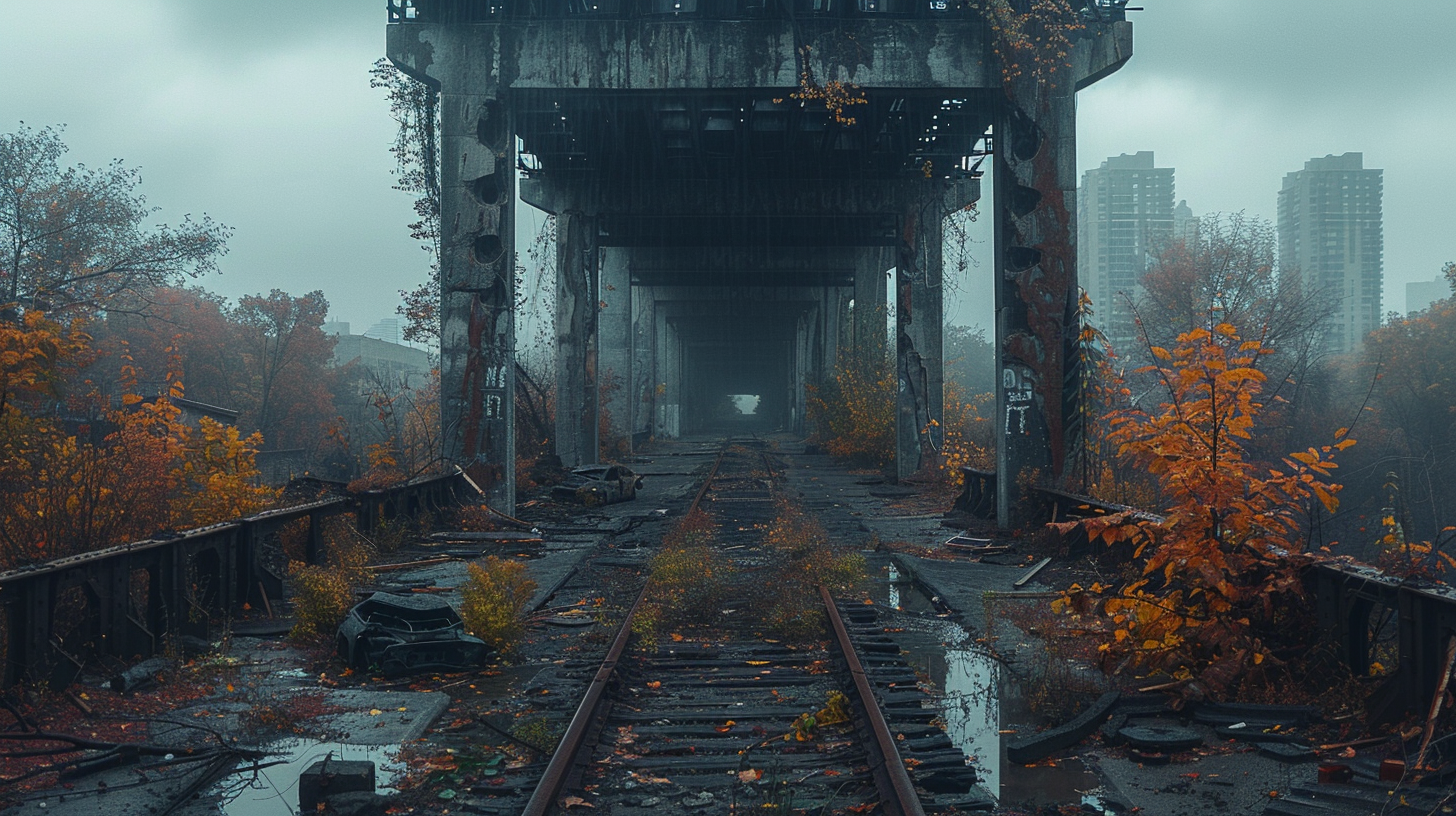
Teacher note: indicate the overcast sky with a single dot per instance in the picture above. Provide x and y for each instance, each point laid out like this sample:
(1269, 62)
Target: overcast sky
(260, 114)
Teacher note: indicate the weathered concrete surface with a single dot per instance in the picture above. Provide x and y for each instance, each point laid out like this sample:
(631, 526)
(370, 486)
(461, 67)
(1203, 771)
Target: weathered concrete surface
(577, 303)
(403, 715)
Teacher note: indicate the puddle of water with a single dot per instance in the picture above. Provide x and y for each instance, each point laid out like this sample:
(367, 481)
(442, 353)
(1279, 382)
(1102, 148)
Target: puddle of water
(978, 700)
(273, 791)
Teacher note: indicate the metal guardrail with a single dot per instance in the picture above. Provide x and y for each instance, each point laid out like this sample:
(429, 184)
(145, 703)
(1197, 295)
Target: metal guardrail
(126, 601)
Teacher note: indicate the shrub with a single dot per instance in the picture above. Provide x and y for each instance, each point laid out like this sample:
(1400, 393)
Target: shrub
(324, 594)
(969, 434)
(494, 601)
(853, 412)
(689, 584)
(800, 559)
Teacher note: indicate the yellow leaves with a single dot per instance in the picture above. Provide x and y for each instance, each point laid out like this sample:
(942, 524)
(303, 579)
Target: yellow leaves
(493, 601)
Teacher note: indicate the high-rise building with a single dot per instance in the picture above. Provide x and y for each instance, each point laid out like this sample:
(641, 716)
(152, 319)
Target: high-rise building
(1124, 213)
(1330, 235)
(1419, 295)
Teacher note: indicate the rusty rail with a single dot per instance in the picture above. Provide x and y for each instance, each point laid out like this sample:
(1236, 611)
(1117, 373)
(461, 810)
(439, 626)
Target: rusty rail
(888, 769)
(558, 770)
(707, 483)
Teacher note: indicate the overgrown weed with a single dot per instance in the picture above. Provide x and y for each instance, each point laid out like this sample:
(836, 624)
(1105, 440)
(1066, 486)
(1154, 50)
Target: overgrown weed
(494, 602)
(800, 557)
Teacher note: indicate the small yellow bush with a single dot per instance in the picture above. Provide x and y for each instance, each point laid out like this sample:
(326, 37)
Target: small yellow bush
(801, 558)
(494, 600)
(968, 432)
(323, 595)
(853, 412)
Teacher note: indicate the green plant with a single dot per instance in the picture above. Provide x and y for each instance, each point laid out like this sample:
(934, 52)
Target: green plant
(494, 600)
(324, 593)
(801, 558)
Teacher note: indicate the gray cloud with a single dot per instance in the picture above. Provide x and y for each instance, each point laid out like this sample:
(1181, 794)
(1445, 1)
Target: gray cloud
(260, 114)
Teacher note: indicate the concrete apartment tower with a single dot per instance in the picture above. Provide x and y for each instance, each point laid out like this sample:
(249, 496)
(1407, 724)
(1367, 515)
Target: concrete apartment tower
(1125, 211)
(1330, 234)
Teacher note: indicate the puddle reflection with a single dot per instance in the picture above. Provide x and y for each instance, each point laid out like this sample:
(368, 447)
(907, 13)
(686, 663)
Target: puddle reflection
(273, 791)
(979, 699)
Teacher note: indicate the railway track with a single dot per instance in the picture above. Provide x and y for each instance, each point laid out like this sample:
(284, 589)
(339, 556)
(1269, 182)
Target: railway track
(728, 719)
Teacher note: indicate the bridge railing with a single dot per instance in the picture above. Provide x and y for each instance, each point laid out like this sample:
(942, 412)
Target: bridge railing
(1365, 616)
(131, 600)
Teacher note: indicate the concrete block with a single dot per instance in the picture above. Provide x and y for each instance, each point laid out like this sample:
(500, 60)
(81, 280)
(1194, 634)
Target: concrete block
(328, 777)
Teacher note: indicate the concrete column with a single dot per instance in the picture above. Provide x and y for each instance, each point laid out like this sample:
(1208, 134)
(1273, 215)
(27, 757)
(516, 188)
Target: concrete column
(920, 397)
(644, 360)
(668, 421)
(831, 313)
(614, 350)
(477, 277)
(1037, 401)
(576, 338)
(869, 299)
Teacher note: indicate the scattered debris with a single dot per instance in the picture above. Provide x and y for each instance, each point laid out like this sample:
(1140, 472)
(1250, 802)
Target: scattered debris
(598, 484)
(405, 634)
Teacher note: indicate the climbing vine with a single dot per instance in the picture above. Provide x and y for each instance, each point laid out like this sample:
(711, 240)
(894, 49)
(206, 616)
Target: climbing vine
(1031, 38)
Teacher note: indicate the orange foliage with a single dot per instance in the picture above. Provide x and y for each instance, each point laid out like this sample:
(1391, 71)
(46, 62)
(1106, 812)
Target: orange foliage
(853, 413)
(1229, 552)
(79, 472)
(968, 430)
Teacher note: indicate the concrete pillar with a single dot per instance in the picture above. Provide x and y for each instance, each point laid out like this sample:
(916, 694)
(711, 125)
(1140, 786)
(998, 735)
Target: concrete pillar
(644, 360)
(869, 299)
(1037, 401)
(576, 338)
(614, 350)
(831, 312)
(477, 277)
(668, 421)
(920, 396)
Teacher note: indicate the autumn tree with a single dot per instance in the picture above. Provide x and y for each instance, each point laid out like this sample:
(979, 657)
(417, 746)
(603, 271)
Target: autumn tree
(187, 327)
(287, 358)
(75, 239)
(1220, 573)
(1410, 364)
(1226, 272)
(80, 471)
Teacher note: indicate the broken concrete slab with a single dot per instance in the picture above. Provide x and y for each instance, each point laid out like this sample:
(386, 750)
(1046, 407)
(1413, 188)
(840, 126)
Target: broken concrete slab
(382, 717)
(1037, 746)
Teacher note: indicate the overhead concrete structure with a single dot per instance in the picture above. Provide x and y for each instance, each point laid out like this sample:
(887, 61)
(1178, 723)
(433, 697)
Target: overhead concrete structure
(720, 235)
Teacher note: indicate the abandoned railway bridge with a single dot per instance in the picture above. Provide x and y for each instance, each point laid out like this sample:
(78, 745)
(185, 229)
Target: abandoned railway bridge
(732, 181)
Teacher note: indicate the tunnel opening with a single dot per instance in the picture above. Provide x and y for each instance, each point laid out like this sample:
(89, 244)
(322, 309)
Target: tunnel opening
(737, 371)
